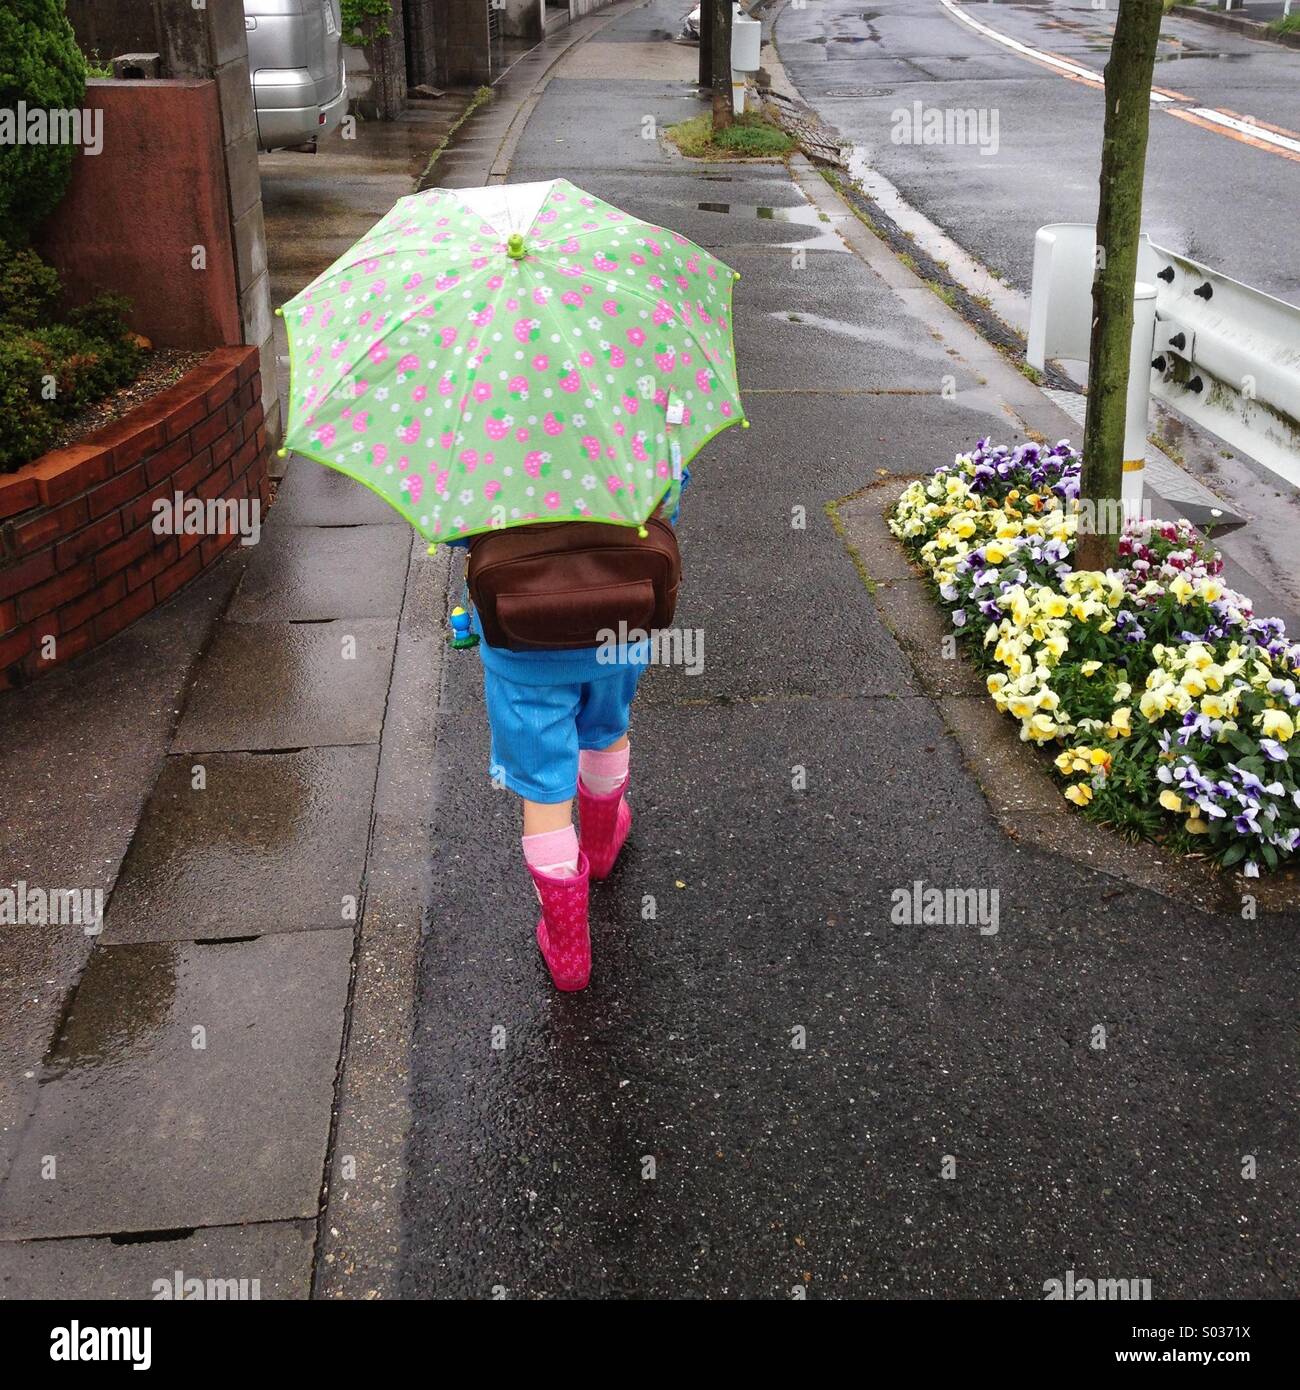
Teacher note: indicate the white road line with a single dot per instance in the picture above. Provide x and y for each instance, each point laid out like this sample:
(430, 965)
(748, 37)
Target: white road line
(1061, 64)
(1256, 132)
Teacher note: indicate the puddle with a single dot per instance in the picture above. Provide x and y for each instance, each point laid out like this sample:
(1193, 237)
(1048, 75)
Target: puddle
(801, 214)
(862, 333)
(1200, 53)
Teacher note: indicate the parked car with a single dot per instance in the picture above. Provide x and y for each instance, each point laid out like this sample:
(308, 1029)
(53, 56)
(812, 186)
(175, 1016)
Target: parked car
(300, 84)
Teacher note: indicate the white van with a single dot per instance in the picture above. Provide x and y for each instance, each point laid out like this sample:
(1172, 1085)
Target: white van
(295, 55)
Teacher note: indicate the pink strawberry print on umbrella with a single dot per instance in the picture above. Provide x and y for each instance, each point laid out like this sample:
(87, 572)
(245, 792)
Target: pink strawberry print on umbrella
(473, 360)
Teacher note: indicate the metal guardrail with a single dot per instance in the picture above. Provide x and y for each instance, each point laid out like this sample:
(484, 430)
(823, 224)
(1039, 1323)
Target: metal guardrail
(1224, 355)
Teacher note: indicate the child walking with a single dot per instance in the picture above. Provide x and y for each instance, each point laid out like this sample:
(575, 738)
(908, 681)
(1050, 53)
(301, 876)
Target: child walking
(559, 724)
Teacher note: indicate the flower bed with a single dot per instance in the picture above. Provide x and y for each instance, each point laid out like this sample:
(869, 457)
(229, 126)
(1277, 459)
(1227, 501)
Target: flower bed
(1173, 711)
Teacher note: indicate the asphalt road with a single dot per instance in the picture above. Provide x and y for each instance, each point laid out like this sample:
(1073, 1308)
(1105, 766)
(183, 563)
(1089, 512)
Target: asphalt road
(1210, 194)
(770, 1086)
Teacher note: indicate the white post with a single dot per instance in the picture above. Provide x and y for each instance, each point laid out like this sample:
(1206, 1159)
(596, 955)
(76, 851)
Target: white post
(1139, 394)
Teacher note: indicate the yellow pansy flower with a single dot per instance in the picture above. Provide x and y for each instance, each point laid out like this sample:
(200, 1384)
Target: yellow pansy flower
(1275, 724)
(1080, 793)
(1119, 726)
(1171, 801)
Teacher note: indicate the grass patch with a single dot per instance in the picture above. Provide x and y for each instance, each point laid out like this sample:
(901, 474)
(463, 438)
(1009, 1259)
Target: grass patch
(1167, 446)
(752, 136)
(945, 292)
(480, 98)
(1031, 373)
(1286, 24)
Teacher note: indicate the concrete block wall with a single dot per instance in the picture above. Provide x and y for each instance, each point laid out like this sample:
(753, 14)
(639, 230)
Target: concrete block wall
(212, 42)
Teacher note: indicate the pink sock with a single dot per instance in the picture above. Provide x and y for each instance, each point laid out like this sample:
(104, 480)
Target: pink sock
(553, 852)
(603, 772)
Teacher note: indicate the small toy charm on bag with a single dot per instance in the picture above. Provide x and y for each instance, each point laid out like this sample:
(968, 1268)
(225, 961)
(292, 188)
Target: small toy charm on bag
(461, 636)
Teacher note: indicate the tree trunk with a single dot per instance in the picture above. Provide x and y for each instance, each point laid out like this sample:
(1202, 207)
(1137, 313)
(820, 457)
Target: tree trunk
(706, 43)
(722, 112)
(1119, 224)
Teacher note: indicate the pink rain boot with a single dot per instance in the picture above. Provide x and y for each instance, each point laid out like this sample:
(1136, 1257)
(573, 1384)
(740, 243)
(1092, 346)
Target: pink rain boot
(604, 822)
(562, 931)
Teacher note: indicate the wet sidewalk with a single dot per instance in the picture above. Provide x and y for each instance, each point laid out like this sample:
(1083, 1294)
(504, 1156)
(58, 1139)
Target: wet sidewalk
(245, 776)
(770, 1089)
(315, 1045)
(181, 1115)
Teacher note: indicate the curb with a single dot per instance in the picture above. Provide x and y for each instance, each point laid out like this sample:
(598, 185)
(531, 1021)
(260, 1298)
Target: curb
(1021, 792)
(1237, 24)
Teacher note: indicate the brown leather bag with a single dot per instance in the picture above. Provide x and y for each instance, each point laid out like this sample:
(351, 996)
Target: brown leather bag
(556, 586)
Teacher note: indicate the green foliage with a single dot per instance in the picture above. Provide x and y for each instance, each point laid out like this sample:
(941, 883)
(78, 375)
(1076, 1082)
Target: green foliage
(29, 289)
(50, 369)
(27, 424)
(365, 20)
(96, 66)
(41, 66)
(751, 135)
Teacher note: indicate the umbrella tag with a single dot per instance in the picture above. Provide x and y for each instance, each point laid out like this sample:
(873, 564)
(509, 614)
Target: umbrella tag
(676, 412)
(675, 452)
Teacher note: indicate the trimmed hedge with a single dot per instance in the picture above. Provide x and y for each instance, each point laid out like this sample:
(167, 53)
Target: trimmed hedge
(42, 67)
(52, 366)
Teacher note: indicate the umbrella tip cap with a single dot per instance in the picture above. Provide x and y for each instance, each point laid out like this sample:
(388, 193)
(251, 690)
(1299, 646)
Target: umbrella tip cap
(433, 549)
(744, 424)
(282, 453)
(279, 313)
(642, 532)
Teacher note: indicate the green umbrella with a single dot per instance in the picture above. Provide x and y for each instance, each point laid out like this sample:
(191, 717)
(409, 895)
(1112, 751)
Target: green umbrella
(491, 357)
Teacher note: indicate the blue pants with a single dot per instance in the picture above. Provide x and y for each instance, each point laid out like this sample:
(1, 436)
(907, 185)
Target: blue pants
(537, 730)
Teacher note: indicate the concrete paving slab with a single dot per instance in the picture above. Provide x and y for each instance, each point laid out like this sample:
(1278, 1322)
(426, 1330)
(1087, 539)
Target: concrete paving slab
(788, 456)
(312, 573)
(146, 1129)
(78, 754)
(268, 686)
(230, 1263)
(632, 60)
(832, 324)
(268, 843)
(313, 495)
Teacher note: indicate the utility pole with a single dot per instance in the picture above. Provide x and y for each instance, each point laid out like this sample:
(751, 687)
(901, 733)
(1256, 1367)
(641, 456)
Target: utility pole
(706, 43)
(722, 107)
(1119, 225)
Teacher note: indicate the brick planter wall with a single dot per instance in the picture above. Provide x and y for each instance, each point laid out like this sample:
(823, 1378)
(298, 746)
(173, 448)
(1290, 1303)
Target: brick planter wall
(79, 558)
